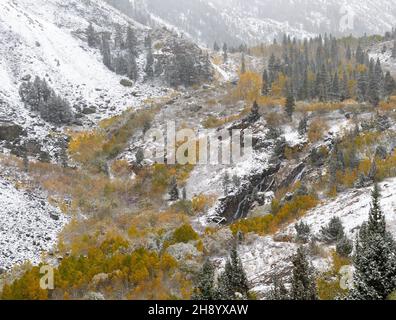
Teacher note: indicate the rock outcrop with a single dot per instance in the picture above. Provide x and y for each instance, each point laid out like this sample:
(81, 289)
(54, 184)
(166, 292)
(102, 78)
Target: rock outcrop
(10, 131)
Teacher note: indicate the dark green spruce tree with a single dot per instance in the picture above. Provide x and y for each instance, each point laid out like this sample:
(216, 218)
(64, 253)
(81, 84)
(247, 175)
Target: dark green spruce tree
(173, 190)
(394, 50)
(233, 283)
(149, 69)
(389, 84)
(265, 89)
(225, 52)
(205, 284)
(303, 285)
(290, 103)
(91, 36)
(243, 63)
(375, 257)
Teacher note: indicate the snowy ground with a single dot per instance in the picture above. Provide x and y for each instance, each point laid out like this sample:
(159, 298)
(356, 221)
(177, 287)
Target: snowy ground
(29, 226)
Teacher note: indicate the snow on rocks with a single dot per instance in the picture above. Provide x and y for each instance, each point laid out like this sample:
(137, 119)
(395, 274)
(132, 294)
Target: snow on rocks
(29, 226)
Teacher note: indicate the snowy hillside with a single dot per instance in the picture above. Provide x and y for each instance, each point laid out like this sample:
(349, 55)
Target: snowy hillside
(383, 51)
(29, 226)
(265, 257)
(44, 38)
(254, 21)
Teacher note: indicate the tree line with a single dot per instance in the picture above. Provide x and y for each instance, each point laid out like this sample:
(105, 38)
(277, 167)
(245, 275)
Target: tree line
(327, 69)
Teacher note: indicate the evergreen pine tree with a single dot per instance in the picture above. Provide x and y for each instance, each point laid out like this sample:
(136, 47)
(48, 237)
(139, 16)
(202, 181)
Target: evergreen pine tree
(132, 68)
(344, 92)
(290, 103)
(243, 63)
(254, 113)
(226, 182)
(63, 157)
(333, 232)
(131, 42)
(225, 52)
(139, 156)
(271, 70)
(149, 68)
(375, 257)
(324, 84)
(278, 291)
(344, 247)
(233, 282)
(120, 65)
(148, 42)
(303, 232)
(91, 36)
(265, 88)
(184, 194)
(348, 54)
(216, 47)
(372, 174)
(335, 89)
(389, 84)
(119, 42)
(173, 190)
(303, 285)
(362, 85)
(360, 56)
(304, 89)
(303, 125)
(205, 283)
(25, 159)
(379, 76)
(106, 53)
(394, 50)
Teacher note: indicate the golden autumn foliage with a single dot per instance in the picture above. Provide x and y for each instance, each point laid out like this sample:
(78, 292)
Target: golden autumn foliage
(85, 146)
(88, 148)
(142, 273)
(270, 223)
(184, 234)
(320, 106)
(201, 203)
(278, 87)
(214, 122)
(25, 288)
(249, 87)
(328, 283)
(389, 105)
(316, 130)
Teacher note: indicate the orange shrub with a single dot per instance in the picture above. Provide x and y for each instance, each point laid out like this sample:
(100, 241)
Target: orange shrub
(85, 146)
(270, 223)
(249, 87)
(316, 130)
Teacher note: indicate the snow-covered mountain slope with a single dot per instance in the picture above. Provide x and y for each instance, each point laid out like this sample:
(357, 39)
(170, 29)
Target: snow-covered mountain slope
(44, 38)
(29, 226)
(265, 257)
(383, 51)
(253, 21)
